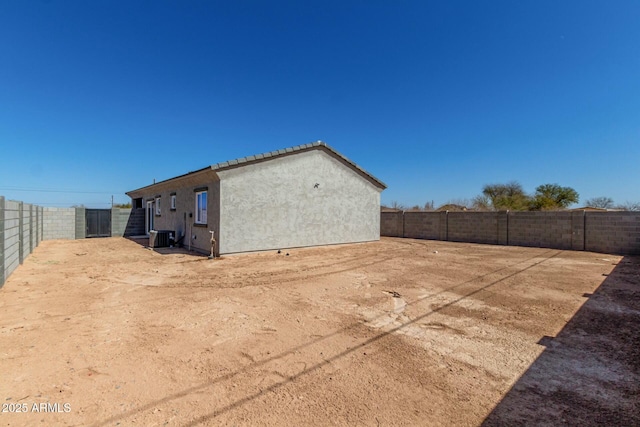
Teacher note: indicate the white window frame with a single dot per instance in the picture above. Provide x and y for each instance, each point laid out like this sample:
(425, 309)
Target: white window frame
(157, 205)
(201, 211)
(173, 202)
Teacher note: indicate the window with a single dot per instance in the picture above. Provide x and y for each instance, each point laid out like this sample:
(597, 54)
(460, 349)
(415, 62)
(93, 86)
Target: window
(157, 205)
(173, 202)
(201, 207)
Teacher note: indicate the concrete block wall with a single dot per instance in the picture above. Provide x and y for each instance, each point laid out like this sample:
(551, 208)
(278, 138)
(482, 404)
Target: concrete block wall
(127, 222)
(608, 232)
(481, 227)
(119, 219)
(20, 234)
(135, 223)
(24, 226)
(612, 232)
(577, 230)
(25, 231)
(70, 223)
(541, 229)
(422, 225)
(391, 224)
(11, 238)
(34, 229)
(59, 223)
(81, 223)
(502, 220)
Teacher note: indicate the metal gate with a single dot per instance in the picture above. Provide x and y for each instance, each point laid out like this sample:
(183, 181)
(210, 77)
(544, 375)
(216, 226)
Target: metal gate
(98, 222)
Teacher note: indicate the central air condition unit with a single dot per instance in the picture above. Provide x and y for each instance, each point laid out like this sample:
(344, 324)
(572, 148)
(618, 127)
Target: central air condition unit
(161, 238)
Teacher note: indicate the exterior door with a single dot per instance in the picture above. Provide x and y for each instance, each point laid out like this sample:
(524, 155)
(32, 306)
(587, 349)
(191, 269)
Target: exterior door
(151, 206)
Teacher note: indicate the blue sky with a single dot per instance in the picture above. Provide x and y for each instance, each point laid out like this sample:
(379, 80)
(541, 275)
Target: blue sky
(435, 98)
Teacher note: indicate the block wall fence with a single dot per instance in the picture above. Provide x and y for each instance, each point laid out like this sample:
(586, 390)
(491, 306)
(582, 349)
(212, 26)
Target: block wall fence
(607, 232)
(23, 226)
(21, 231)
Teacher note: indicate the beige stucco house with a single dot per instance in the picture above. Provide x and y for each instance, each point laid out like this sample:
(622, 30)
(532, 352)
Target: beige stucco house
(306, 195)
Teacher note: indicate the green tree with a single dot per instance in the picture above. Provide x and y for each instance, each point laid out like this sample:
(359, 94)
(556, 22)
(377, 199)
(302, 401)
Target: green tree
(553, 196)
(600, 202)
(509, 196)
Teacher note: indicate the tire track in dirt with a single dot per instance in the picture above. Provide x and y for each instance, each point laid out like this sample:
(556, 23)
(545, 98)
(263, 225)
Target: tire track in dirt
(291, 275)
(349, 330)
(294, 275)
(328, 360)
(287, 277)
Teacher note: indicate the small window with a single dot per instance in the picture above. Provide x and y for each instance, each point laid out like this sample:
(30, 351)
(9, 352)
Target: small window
(173, 202)
(157, 205)
(201, 207)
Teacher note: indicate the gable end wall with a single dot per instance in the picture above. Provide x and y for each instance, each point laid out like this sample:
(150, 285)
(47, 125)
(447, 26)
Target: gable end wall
(276, 204)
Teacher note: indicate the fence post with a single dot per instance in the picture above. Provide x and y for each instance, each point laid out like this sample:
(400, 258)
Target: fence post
(21, 231)
(81, 224)
(503, 227)
(578, 231)
(41, 223)
(443, 225)
(37, 221)
(31, 229)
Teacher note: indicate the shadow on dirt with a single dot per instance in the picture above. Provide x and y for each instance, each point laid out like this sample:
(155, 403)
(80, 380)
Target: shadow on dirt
(589, 374)
(144, 243)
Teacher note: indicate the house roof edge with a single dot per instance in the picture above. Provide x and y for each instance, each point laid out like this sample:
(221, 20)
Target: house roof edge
(256, 158)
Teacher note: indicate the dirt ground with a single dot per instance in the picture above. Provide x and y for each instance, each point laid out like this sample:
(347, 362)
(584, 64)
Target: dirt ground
(105, 332)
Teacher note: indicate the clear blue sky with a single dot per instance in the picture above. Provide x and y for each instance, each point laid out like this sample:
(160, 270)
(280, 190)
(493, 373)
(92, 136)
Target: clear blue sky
(435, 98)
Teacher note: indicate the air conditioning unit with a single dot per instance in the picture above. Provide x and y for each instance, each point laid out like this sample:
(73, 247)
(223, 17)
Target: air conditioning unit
(161, 238)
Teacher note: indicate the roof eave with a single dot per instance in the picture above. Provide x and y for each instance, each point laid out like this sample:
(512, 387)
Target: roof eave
(158, 185)
(245, 161)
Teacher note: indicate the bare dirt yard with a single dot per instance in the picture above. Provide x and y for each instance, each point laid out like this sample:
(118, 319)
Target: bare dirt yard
(104, 332)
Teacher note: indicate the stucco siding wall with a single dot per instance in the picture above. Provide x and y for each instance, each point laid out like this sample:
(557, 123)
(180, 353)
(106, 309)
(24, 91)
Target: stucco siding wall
(276, 204)
(182, 219)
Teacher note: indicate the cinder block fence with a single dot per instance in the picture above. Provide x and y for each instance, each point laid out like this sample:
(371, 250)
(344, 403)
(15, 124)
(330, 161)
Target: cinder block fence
(23, 226)
(59, 223)
(20, 233)
(608, 232)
